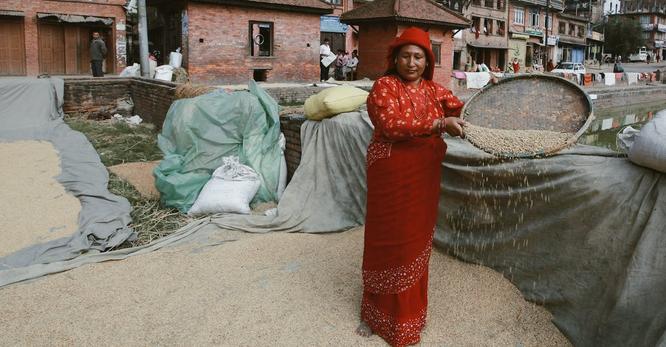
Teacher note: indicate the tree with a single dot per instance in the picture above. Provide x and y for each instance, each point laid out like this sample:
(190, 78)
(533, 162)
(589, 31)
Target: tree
(623, 35)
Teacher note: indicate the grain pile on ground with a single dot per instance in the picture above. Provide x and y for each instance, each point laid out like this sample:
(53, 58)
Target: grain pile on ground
(140, 176)
(517, 143)
(189, 90)
(270, 289)
(34, 207)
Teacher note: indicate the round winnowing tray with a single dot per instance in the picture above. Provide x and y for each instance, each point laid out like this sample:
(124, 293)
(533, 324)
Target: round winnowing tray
(527, 116)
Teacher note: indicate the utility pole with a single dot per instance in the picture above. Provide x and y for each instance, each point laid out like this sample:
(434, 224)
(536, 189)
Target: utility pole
(548, 23)
(143, 39)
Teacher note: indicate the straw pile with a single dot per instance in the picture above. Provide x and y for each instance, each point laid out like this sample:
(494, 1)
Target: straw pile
(189, 90)
(517, 143)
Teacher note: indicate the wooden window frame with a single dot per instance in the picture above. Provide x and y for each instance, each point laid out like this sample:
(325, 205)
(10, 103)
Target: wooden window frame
(251, 39)
(437, 51)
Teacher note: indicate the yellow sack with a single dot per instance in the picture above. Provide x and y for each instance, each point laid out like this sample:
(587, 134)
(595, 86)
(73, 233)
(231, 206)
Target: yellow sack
(335, 100)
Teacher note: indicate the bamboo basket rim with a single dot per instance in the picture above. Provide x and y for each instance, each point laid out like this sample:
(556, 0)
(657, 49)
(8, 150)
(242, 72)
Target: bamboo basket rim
(546, 151)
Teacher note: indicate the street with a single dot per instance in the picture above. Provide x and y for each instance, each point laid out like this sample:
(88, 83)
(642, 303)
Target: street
(628, 67)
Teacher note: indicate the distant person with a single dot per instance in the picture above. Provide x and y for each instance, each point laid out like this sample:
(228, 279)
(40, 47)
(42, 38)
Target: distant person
(647, 60)
(339, 63)
(618, 67)
(550, 66)
(516, 65)
(350, 67)
(658, 58)
(324, 51)
(97, 55)
(474, 67)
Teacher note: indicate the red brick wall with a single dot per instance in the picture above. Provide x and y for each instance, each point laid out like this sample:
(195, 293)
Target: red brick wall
(224, 56)
(373, 43)
(99, 8)
(374, 40)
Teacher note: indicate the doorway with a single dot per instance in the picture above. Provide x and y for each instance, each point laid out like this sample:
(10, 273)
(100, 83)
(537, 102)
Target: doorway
(64, 49)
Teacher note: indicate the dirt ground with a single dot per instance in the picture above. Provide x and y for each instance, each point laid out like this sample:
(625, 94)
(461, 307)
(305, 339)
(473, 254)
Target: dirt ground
(271, 289)
(34, 207)
(140, 176)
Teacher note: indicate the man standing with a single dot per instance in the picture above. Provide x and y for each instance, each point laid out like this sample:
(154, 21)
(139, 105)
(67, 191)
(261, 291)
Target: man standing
(97, 55)
(324, 63)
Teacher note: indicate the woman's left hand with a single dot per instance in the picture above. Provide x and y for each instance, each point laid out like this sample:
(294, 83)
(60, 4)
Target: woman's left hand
(454, 126)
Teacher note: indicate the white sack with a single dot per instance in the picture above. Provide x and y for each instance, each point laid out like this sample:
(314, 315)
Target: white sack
(230, 190)
(649, 147)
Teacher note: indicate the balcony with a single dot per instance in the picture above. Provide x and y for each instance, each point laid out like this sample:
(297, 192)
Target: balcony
(647, 27)
(661, 28)
(596, 36)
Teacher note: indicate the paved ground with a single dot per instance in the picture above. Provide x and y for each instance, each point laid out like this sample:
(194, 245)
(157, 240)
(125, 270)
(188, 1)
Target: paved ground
(629, 67)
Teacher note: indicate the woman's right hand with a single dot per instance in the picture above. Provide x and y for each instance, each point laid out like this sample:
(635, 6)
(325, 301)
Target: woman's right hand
(454, 126)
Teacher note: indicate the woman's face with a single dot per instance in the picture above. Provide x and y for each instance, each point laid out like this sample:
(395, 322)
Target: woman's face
(411, 62)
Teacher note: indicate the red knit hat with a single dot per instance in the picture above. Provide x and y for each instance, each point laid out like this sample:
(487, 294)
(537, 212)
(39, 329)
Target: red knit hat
(414, 36)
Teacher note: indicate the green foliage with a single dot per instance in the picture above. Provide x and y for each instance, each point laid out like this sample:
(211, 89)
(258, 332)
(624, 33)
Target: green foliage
(623, 35)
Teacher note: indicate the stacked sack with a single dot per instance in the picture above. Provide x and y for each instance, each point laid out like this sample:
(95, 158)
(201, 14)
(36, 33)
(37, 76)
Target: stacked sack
(333, 101)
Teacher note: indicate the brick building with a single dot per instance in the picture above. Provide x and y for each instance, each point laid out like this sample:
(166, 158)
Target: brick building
(531, 35)
(232, 41)
(380, 21)
(486, 41)
(652, 17)
(51, 36)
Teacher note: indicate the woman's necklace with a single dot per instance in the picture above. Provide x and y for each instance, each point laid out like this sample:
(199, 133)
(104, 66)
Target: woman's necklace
(418, 87)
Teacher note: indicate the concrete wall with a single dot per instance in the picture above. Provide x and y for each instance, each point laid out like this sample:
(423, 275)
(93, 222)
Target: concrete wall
(224, 55)
(99, 8)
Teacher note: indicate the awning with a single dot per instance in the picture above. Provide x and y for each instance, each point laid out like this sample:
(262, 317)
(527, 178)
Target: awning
(72, 18)
(490, 46)
(331, 24)
(12, 13)
(519, 36)
(571, 42)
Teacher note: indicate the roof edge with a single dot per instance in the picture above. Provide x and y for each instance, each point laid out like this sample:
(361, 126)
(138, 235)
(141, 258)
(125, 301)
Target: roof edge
(280, 7)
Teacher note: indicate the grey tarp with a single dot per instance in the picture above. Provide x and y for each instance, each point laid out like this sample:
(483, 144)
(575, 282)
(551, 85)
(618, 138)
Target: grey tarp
(582, 232)
(31, 109)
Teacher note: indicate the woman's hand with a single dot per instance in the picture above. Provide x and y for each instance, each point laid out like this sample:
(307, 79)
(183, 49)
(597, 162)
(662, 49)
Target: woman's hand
(454, 126)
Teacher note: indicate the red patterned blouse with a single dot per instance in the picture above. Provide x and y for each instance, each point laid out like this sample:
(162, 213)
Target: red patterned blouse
(400, 112)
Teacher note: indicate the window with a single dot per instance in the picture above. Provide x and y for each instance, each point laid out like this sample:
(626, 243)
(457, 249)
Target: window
(645, 19)
(572, 30)
(476, 2)
(519, 15)
(501, 29)
(549, 22)
(534, 17)
(646, 35)
(476, 24)
(489, 3)
(487, 26)
(261, 39)
(581, 31)
(500, 4)
(563, 28)
(335, 2)
(437, 50)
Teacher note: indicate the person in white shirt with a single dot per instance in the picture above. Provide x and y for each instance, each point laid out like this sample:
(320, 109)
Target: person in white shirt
(350, 67)
(324, 51)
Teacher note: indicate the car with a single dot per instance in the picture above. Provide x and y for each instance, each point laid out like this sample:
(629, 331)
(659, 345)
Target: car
(569, 67)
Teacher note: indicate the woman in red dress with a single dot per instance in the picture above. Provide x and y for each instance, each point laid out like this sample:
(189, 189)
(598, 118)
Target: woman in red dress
(409, 112)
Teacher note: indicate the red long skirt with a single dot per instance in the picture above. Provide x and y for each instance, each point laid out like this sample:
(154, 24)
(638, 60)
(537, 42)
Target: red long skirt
(403, 196)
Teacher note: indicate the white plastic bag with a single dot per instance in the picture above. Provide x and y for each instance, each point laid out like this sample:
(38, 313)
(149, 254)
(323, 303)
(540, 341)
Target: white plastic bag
(164, 73)
(131, 71)
(649, 147)
(176, 58)
(282, 177)
(230, 190)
